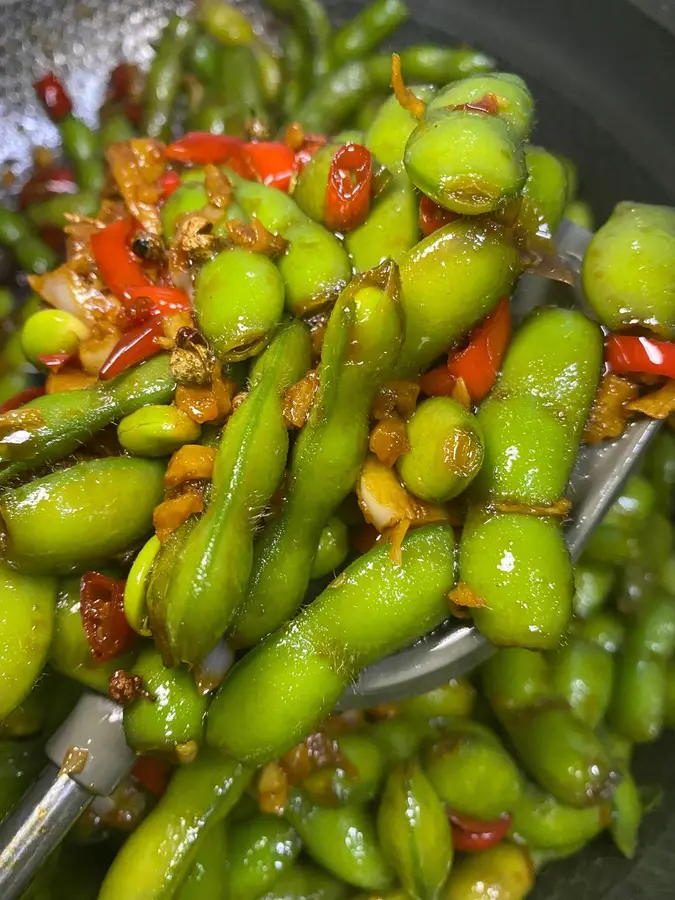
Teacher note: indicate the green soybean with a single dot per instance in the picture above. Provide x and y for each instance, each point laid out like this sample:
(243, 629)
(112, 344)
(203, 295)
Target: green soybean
(157, 431)
(390, 230)
(51, 331)
(305, 881)
(259, 852)
(583, 673)
(504, 872)
(540, 821)
(388, 133)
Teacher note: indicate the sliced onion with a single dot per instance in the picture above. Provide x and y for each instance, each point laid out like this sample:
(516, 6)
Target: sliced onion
(66, 290)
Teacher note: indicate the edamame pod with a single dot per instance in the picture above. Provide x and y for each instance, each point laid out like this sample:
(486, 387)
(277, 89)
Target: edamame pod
(238, 302)
(333, 548)
(430, 63)
(82, 146)
(53, 211)
(540, 821)
(583, 673)
(342, 840)
(305, 881)
(77, 518)
(388, 133)
(21, 237)
(70, 652)
(659, 468)
(335, 98)
(479, 260)
(531, 425)
(164, 78)
(592, 585)
(27, 613)
(632, 508)
(461, 764)
(72, 417)
(172, 716)
(456, 698)
(402, 738)
(367, 29)
(310, 19)
(156, 858)
(357, 777)
(504, 872)
(322, 649)
(208, 581)
(414, 832)
(259, 852)
(545, 195)
(360, 347)
(446, 450)
(390, 230)
(205, 880)
(628, 274)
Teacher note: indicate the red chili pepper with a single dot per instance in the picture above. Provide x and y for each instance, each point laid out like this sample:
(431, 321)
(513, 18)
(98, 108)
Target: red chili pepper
(45, 183)
(476, 834)
(479, 363)
(432, 216)
(165, 299)
(437, 382)
(133, 347)
(122, 80)
(307, 149)
(629, 353)
(153, 773)
(348, 191)
(118, 265)
(273, 163)
(202, 147)
(53, 97)
(56, 361)
(102, 613)
(23, 397)
(168, 183)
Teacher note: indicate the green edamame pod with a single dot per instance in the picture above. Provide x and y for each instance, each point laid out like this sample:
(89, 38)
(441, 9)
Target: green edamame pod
(432, 323)
(332, 549)
(388, 133)
(115, 129)
(397, 602)
(402, 738)
(156, 858)
(638, 703)
(315, 266)
(225, 22)
(583, 673)
(305, 881)
(135, 590)
(295, 67)
(356, 779)
(70, 652)
(77, 518)
(157, 431)
(456, 698)
(446, 450)
(540, 821)
(531, 424)
(361, 344)
(164, 78)
(171, 716)
(208, 581)
(367, 29)
(545, 194)
(605, 629)
(19, 235)
(612, 546)
(414, 832)
(561, 752)
(390, 230)
(83, 148)
(238, 302)
(659, 468)
(72, 417)
(592, 585)
(259, 852)
(629, 269)
(238, 87)
(335, 98)
(205, 880)
(632, 508)
(461, 764)
(27, 613)
(487, 167)
(504, 872)
(53, 211)
(581, 213)
(430, 63)
(201, 57)
(342, 840)
(310, 19)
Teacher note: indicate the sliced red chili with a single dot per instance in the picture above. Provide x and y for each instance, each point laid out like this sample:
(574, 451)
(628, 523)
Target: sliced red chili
(133, 347)
(53, 97)
(102, 612)
(20, 399)
(165, 299)
(168, 183)
(118, 265)
(56, 361)
(122, 82)
(348, 191)
(273, 163)
(45, 183)
(478, 364)
(470, 834)
(437, 382)
(153, 773)
(432, 216)
(309, 146)
(628, 353)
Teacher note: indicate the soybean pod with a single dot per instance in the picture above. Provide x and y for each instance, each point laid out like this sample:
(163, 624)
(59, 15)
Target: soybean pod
(260, 850)
(164, 78)
(430, 63)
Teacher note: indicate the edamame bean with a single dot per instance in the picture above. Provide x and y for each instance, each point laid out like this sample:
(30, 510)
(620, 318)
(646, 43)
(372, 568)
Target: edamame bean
(633, 506)
(504, 872)
(390, 230)
(198, 797)
(78, 517)
(414, 832)
(540, 821)
(27, 613)
(388, 133)
(51, 331)
(174, 713)
(629, 269)
(545, 194)
(157, 431)
(446, 450)
(342, 840)
(319, 652)
(583, 673)
(333, 548)
(260, 851)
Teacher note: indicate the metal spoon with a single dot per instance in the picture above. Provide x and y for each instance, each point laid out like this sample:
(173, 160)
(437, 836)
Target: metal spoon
(50, 808)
